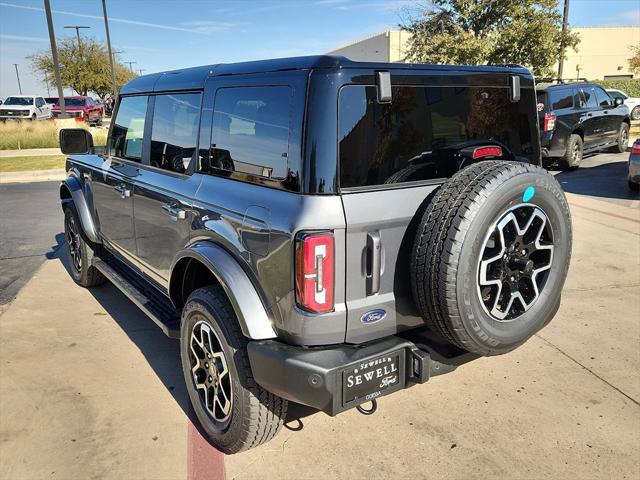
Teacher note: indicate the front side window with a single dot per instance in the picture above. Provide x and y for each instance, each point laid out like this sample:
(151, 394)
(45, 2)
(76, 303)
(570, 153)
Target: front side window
(603, 98)
(251, 131)
(417, 135)
(590, 97)
(39, 102)
(128, 128)
(174, 131)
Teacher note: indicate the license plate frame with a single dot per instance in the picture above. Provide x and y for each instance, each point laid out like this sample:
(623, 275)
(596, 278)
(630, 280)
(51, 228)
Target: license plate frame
(373, 377)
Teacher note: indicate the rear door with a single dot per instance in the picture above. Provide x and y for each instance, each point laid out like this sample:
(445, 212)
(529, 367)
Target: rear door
(391, 158)
(165, 186)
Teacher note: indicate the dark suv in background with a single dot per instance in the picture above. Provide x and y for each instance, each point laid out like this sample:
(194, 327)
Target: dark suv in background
(578, 118)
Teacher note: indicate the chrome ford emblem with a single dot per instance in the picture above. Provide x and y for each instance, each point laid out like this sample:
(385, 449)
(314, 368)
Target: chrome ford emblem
(373, 316)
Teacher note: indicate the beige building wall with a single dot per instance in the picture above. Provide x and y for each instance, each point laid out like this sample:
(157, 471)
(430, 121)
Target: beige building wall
(601, 51)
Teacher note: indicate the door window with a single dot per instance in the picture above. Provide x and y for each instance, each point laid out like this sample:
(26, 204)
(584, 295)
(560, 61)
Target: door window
(603, 98)
(128, 128)
(590, 97)
(250, 132)
(39, 102)
(561, 99)
(174, 131)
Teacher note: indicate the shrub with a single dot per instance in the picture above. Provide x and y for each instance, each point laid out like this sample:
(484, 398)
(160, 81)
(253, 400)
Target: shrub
(39, 134)
(630, 86)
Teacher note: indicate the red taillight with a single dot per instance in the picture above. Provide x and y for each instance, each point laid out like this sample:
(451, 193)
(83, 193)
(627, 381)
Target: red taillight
(549, 122)
(487, 152)
(315, 271)
(635, 149)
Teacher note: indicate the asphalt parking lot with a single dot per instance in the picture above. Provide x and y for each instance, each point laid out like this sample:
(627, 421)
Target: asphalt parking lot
(90, 388)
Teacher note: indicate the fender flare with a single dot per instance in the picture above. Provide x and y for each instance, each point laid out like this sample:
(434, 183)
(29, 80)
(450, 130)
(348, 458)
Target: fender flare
(247, 305)
(73, 185)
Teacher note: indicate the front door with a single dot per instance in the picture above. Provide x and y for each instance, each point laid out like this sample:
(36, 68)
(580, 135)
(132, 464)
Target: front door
(113, 184)
(165, 187)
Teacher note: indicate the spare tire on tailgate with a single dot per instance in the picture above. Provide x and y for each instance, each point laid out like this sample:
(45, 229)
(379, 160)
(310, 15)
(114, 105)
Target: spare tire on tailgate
(491, 255)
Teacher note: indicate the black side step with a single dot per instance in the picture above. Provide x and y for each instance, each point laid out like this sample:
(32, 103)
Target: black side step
(157, 307)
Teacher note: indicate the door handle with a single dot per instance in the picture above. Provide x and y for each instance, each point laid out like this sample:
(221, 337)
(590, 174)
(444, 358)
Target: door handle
(374, 262)
(123, 191)
(174, 212)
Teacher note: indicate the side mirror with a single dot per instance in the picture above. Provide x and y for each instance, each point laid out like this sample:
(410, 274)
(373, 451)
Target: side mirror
(618, 101)
(75, 141)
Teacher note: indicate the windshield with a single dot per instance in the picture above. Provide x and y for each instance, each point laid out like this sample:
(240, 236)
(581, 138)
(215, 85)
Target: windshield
(74, 102)
(20, 101)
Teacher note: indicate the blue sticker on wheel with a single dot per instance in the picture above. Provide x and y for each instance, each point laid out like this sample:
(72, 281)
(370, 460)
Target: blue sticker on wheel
(528, 193)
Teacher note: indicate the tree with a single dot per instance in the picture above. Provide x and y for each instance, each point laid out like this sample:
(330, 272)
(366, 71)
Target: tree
(477, 32)
(85, 69)
(634, 61)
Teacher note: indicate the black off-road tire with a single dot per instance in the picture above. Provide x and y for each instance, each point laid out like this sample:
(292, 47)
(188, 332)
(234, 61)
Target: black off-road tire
(450, 242)
(82, 272)
(623, 139)
(256, 414)
(573, 156)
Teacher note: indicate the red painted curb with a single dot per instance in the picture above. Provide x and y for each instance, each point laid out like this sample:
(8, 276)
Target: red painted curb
(204, 462)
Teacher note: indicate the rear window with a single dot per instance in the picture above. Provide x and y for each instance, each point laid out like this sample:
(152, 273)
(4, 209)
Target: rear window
(411, 138)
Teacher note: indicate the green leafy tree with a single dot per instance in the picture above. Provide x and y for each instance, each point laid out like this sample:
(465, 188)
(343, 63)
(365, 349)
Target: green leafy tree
(634, 61)
(477, 32)
(83, 68)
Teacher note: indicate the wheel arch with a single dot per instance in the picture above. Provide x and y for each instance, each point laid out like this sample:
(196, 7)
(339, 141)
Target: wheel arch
(206, 263)
(71, 191)
(578, 131)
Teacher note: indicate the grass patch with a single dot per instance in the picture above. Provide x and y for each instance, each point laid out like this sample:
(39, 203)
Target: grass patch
(21, 164)
(16, 135)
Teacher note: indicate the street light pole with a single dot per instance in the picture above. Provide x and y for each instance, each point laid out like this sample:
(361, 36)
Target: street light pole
(113, 71)
(18, 77)
(565, 18)
(54, 55)
(77, 27)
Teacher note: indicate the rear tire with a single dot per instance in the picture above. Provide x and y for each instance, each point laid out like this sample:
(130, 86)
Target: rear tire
(253, 415)
(635, 113)
(79, 253)
(463, 285)
(573, 156)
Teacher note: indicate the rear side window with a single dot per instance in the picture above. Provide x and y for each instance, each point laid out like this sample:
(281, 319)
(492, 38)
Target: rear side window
(251, 131)
(415, 137)
(561, 99)
(174, 131)
(128, 128)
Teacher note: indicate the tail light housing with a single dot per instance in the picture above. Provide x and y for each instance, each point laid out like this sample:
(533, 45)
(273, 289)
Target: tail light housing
(635, 149)
(315, 271)
(487, 152)
(549, 122)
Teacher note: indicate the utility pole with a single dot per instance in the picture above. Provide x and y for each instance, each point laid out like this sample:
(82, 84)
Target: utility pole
(77, 27)
(113, 71)
(54, 55)
(18, 77)
(565, 18)
(140, 70)
(130, 63)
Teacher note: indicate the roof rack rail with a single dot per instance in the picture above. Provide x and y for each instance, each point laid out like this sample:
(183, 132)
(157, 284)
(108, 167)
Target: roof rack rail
(560, 80)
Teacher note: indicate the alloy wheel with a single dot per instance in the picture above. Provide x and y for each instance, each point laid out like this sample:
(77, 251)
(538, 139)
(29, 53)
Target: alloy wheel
(515, 262)
(210, 373)
(73, 242)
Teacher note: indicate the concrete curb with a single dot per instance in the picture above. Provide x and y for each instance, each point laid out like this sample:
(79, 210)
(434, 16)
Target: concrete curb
(33, 176)
(30, 152)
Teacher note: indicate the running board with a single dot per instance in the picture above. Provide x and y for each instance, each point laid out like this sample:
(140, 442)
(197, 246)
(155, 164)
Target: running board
(157, 309)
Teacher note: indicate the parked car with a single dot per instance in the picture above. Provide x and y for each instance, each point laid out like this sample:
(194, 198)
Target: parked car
(632, 102)
(83, 109)
(578, 118)
(319, 230)
(25, 107)
(634, 167)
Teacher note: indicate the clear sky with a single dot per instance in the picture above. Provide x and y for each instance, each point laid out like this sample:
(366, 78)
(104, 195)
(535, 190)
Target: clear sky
(163, 34)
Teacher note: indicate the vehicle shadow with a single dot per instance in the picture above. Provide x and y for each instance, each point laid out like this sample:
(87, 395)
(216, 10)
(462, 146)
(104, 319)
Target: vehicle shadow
(607, 180)
(161, 352)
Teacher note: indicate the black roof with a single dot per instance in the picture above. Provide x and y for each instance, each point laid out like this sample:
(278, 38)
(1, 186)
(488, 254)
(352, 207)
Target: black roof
(195, 77)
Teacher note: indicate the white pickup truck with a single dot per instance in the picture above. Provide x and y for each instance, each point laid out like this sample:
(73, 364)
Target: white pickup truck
(25, 107)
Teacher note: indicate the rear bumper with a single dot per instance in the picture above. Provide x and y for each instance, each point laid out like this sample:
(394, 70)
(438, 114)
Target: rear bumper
(317, 376)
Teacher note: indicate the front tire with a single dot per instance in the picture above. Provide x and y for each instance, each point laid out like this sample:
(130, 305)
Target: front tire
(234, 411)
(34, 117)
(79, 253)
(633, 186)
(623, 139)
(635, 113)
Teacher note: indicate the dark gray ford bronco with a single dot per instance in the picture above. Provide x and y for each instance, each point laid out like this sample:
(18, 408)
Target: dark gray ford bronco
(318, 230)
